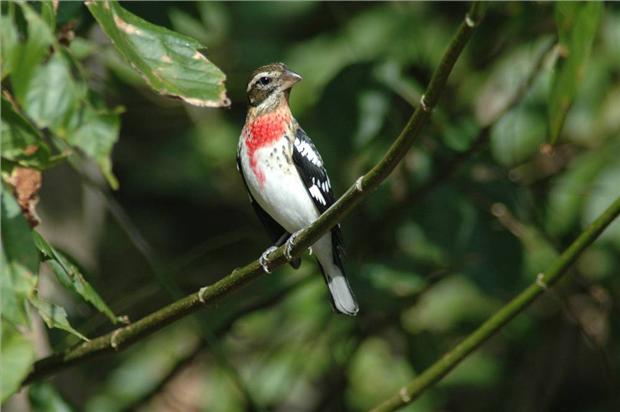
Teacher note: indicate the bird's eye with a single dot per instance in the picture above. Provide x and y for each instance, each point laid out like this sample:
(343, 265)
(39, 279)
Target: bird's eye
(264, 81)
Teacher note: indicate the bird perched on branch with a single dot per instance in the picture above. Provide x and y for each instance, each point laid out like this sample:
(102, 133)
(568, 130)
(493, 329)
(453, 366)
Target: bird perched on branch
(285, 177)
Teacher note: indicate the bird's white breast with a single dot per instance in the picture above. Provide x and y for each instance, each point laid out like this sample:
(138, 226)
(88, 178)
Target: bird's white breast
(280, 192)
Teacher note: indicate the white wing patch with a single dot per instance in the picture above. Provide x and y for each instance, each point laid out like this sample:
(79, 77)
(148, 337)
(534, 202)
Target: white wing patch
(315, 192)
(308, 152)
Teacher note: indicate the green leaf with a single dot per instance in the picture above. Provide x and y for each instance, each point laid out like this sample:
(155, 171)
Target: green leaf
(70, 277)
(577, 24)
(8, 42)
(53, 107)
(96, 135)
(48, 13)
(27, 57)
(44, 398)
(22, 143)
(170, 63)
(54, 316)
(19, 262)
(16, 358)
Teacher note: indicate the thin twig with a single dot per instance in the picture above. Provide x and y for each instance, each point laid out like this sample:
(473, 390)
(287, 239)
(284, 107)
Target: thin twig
(125, 336)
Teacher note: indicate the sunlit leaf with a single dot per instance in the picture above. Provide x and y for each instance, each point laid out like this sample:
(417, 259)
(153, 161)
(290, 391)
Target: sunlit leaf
(54, 316)
(70, 276)
(16, 358)
(171, 63)
(577, 24)
(45, 398)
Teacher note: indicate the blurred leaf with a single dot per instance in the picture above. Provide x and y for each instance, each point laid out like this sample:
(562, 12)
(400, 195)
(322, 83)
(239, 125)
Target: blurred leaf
(22, 143)
(452, 300)
(82, 48)
(54, 316)
(577, 24)
(44, 398)
(16, 357)
(27, 56)
(398, 282)
(171, 63)
(48, 14)
(373, 108)
(459, 133)
(18, 265)
(605, 189)
(70, 277)
(95, 136)
(188, 25)
(8, 41)
(505, 77)
(517, 136)
(375, 373)
(20, 262)
(53, 107)
(570, 191)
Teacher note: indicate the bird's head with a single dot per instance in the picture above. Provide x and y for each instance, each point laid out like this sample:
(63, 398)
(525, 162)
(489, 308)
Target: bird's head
(270, 84)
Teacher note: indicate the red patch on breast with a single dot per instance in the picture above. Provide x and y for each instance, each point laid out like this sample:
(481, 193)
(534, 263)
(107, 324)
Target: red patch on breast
(262, 131)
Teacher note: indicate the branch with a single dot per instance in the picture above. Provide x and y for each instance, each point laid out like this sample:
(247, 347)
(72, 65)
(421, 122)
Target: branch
(448, 168)
(450, 360)
(121, 338)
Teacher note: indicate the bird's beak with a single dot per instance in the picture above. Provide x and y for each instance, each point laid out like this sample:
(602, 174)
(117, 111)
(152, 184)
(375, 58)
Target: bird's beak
(289, 78)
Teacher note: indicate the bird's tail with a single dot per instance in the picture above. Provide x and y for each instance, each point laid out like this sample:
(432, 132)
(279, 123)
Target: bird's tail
(342, 296)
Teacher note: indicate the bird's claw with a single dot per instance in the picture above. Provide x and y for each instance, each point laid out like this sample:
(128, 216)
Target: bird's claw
(264, 259)
(290, 243)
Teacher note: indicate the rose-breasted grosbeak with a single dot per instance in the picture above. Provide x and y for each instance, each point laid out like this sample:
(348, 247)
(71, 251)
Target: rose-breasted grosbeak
(284, 175)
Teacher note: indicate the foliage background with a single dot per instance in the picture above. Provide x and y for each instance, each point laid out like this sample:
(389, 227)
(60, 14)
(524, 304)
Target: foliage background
(426, 270)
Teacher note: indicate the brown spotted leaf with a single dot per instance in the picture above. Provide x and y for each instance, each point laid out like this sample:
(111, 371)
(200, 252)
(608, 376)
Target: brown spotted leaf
(169, 62)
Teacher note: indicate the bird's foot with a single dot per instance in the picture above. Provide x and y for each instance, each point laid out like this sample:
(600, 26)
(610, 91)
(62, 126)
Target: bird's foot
(264, 258)
(290, 243)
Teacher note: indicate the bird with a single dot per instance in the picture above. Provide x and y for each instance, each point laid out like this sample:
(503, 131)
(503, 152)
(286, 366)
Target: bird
(286, 179)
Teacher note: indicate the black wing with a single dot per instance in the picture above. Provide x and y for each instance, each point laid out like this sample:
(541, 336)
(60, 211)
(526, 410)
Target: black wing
(276, 232)
(310, 167)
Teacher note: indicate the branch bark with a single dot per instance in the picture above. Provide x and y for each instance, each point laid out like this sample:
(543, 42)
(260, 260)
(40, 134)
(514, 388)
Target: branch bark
(123, 337)
(450, 360)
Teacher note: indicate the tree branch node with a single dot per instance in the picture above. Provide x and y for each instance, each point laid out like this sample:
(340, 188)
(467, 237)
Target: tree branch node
(201, 295)
(540, 281)
(404, 395)
(425, 106)
(469, 21)
(359, 184)
(113, 342)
